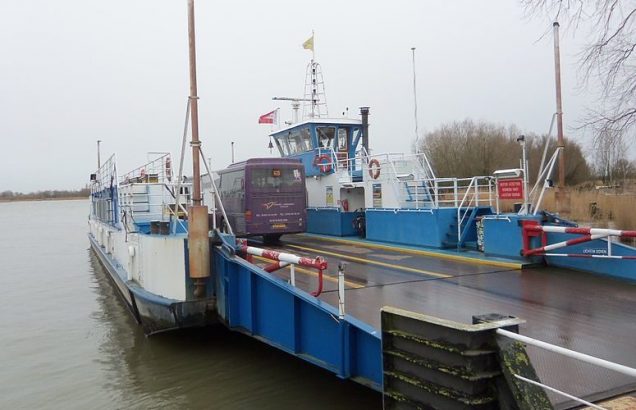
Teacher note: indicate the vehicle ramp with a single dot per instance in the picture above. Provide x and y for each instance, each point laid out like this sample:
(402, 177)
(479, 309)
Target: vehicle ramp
(253, 301)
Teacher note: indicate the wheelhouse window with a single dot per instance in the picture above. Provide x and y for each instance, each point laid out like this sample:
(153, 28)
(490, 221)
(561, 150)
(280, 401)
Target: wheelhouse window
(281, 143)
(343, 136)
(355, 138)
(326, 136)
(305, 135)
(299, 141)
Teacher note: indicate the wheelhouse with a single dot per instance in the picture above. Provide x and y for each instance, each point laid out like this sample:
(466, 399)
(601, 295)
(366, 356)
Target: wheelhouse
(320, 143)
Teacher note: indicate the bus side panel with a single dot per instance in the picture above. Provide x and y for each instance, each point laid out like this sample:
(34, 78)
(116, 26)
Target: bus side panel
(277, 213)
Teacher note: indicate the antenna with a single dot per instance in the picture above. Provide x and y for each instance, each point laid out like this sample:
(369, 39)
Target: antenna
(99, 157)
(417, 135)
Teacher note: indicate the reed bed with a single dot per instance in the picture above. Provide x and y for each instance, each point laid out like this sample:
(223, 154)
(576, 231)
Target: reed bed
(599, 208)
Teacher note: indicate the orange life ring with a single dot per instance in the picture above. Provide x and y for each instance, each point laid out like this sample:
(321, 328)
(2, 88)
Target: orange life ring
(374, 168)
(319, 161)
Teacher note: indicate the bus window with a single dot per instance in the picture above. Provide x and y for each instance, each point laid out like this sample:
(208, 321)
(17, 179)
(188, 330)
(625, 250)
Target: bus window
(232, 182)
(276, 179)
(326, 136)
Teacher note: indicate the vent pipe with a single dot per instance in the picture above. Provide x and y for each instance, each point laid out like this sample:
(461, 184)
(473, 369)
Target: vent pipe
(364, 112)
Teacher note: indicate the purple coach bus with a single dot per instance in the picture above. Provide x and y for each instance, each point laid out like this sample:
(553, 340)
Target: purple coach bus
(265, 196)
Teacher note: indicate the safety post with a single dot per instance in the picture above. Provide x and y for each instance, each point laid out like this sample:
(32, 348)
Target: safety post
(341, 290)
(283, 259)
(292, 275)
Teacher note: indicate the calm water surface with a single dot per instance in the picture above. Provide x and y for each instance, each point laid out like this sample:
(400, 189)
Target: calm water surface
(67, 341)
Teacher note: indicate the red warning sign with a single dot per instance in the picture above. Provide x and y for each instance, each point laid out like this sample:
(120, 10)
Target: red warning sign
(510, 188)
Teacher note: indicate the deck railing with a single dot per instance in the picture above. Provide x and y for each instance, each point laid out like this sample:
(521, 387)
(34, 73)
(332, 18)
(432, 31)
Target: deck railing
(158, 170)
(628, 371)
(478, 192)
(140, 202)
(104, 198)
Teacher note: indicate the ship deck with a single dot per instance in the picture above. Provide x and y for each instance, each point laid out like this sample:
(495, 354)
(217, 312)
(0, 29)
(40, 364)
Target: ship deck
(580, 311)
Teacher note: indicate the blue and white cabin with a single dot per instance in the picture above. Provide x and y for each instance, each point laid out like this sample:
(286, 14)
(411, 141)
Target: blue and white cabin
(350, 190)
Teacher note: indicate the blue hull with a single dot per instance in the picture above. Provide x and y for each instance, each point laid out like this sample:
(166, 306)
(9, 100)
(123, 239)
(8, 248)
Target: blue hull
(155, 313)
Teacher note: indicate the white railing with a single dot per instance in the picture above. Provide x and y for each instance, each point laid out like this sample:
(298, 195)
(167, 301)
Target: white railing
(629, 371)
(104, 205)
(412, 178)
(158, 170)
(158, 204)
(472, 198)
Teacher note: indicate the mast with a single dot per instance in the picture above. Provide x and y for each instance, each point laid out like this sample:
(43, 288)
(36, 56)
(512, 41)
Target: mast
(198, 225)
(562, 203)
(314, 86)
(194, 109)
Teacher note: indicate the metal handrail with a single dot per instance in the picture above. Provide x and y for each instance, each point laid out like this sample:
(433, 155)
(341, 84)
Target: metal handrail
(545, 173)
(474, 183)
(217, 197)
(629, 371)
(127, 203)
(160, 168)
(562, 393)
(606, 364)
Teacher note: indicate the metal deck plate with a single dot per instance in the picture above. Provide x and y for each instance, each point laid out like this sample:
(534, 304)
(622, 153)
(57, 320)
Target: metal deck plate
(579, 311)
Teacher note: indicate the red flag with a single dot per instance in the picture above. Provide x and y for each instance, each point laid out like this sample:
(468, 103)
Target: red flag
(269, 118)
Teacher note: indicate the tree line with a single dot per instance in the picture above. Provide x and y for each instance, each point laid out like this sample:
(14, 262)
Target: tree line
(47, 194)
(468, 148)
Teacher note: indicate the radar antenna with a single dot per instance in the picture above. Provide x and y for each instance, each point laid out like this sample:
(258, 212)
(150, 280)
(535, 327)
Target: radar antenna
(295, 105)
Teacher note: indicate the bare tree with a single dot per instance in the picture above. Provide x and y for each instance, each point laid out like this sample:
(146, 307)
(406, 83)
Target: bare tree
(608, 57)
(468, 148)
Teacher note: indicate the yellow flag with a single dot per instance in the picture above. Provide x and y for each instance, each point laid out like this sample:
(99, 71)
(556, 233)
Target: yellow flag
(309, 44)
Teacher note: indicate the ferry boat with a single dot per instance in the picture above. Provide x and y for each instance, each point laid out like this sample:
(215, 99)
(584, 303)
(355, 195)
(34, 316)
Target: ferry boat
(174, 268)
(397, 198)
(150, 229)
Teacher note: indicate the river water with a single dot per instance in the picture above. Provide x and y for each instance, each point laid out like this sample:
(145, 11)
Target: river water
(67, 341)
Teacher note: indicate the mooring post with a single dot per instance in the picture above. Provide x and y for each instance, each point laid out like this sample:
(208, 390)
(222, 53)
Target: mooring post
(436, 363)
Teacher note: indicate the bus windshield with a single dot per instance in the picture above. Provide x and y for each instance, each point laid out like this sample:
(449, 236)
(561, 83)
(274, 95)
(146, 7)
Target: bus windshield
(273, 179)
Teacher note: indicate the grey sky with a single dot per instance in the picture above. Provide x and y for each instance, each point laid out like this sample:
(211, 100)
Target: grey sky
(77, 71)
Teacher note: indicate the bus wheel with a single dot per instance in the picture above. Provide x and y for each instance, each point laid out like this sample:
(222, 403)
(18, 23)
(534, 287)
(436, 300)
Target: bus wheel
(272, 238)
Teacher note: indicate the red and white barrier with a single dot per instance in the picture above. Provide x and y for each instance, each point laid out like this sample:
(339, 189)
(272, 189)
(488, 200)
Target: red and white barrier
(581, 231)
(563, 244)
(283, 259)
(580, 255)
(534, 229)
